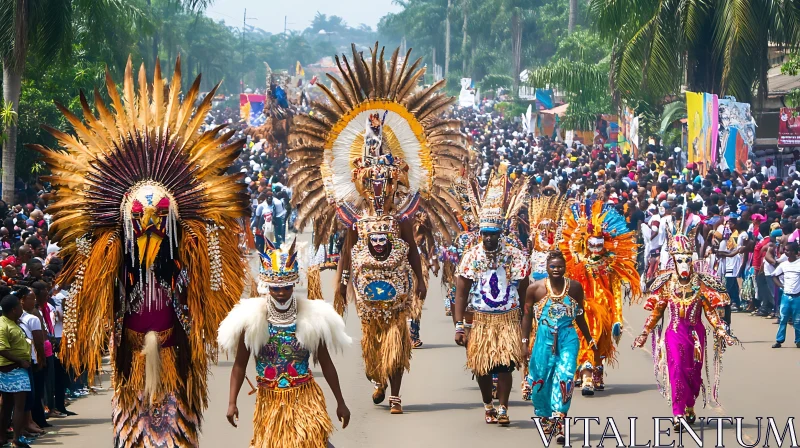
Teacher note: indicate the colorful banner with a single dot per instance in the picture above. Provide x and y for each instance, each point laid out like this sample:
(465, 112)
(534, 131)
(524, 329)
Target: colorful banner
(703, 122)
(251, 108)
(629, 133)
(467, 96)
(789, 127)
(606, 131)
(737, 134)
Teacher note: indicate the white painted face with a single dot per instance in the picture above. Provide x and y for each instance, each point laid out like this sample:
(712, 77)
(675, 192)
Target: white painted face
(596, 245)
(378, 242)
(683, 265)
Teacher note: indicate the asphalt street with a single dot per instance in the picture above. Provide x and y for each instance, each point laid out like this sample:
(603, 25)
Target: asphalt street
(443, 408)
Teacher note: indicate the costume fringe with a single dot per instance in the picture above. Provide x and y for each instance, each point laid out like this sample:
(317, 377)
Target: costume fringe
(314, 283)
(494, 341)
(598, 315)
(295, 418)
(177, 423)
(386, 347)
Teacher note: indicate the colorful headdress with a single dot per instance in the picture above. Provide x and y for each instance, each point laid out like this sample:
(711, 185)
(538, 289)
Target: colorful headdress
(682, 241)
(278, 267)
(546, 218)
(492, 216)
(420, 153)
(139, 181)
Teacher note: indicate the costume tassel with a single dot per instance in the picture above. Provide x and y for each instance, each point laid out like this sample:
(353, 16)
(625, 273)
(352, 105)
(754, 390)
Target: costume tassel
(294, 418)
(152, 375)
(314, 283)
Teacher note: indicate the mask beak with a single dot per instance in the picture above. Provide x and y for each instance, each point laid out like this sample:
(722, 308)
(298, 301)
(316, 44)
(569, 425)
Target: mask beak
(149, 242)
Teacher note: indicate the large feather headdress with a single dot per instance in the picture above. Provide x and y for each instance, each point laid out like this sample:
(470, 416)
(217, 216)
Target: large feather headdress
(326, 143)
(147, 144)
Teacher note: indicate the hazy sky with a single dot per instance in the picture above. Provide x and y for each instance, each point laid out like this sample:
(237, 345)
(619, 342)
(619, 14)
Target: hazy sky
(299, 13)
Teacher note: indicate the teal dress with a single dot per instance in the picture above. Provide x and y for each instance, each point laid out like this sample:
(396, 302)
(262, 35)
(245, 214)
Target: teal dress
(554, 358)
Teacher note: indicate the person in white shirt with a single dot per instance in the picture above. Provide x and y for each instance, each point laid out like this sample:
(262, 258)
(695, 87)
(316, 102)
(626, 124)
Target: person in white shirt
(787, 276)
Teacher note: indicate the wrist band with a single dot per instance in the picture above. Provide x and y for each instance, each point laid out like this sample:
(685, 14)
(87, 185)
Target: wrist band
(459, 327)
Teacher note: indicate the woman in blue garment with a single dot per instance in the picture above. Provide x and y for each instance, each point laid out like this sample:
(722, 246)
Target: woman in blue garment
(557, 304)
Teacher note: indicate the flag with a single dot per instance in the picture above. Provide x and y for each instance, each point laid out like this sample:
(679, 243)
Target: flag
(299, 70)
(251, 107)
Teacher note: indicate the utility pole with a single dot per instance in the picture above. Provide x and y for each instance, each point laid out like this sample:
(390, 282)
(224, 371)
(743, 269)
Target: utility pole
(244, 30)
(284, 24)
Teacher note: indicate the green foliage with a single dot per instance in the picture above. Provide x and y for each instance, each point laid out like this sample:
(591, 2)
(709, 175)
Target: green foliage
(511, 108)
(672, 112)
(792, 99)
(792, 65)
(586, 88)
(494, 82)
(582, 46)
(672, 138)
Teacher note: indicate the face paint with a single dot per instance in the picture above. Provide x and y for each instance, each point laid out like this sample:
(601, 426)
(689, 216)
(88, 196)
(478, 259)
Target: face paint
(683, 265)
(378, 242)
(596, 245)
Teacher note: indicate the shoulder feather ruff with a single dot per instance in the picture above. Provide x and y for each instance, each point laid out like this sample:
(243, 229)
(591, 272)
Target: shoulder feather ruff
(317, 323)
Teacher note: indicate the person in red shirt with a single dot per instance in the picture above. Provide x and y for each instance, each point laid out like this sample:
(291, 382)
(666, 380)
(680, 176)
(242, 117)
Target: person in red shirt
(763, 290)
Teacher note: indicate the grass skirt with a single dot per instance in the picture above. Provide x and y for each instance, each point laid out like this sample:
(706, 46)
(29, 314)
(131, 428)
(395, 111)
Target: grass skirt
(295, 418)
(495, 340)
(168, 422)
(386, 347)
(314, 283)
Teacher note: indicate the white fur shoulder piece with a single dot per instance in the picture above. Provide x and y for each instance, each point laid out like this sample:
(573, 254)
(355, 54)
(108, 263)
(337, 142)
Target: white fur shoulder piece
(317, 322)
(248, 316)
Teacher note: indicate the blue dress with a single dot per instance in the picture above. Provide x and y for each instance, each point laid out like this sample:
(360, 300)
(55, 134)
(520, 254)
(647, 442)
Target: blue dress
(551, 369)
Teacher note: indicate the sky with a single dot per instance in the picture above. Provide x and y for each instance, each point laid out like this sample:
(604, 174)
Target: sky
(269, 14)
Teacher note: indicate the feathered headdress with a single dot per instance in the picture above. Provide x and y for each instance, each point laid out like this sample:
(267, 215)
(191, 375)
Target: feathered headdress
(142, 168)
(492, 216)
(278, 267)
(682, 241)
(546, 215)
(325, 144)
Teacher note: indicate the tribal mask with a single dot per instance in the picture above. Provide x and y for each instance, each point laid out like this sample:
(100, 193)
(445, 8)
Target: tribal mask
(683, 265)
(149, 219)
(378, 243)
(596, 245)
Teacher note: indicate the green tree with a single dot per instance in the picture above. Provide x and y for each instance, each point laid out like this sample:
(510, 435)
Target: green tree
(715, 46)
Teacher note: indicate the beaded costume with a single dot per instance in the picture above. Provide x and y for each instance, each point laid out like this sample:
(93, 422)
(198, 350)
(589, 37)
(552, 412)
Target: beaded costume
(600, 252)
(149, 226)
(679, 348)
(494, 298)
(371, 156)
(290, 407)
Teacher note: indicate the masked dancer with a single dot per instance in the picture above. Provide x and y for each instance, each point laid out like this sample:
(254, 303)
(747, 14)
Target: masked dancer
(149, 226)
(601, 255)
(489, 277)
(370, 156)
(283, 332)
(679, 348)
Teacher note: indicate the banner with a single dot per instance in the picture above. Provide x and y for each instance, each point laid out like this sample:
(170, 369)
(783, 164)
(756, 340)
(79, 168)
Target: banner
(606, 131)
(467, 96)
(737, 134)
(629, 133)
(789, 127)
(298, 70)
(251, 108)
(703, 123)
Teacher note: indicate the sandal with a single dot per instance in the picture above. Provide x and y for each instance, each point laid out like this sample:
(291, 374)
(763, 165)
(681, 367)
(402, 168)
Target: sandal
(416, 343)
(394, 404)
(502, 417)
(491, 414)
(380, 394)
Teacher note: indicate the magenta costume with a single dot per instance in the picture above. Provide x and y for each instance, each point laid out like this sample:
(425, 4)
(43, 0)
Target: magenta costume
(679, 347)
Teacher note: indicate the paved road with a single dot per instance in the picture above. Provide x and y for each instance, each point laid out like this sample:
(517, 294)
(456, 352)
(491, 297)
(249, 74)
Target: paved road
(443, 408)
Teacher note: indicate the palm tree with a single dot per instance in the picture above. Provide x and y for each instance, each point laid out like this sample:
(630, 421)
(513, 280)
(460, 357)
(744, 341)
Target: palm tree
(447, 38)
(573, 15)
(717, 47)
(46, 28)
(464, 11)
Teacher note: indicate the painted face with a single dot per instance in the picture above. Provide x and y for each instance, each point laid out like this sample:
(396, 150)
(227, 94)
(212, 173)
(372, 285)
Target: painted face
(683, 265)
(596, 245)
(148, 210)
(378, 241)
